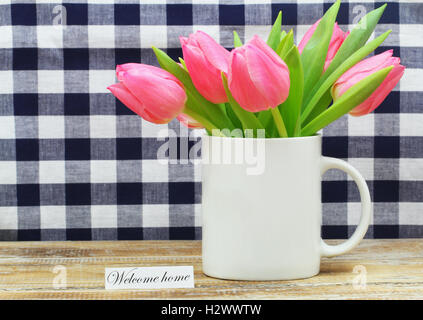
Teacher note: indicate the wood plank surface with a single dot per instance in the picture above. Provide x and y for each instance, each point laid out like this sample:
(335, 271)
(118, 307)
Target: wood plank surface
(389, 269)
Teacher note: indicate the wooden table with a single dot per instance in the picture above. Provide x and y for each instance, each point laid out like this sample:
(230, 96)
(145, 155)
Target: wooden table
(377, 269)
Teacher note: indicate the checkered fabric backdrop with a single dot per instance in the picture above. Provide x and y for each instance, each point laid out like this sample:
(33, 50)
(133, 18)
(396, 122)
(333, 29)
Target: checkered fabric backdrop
(75, 164)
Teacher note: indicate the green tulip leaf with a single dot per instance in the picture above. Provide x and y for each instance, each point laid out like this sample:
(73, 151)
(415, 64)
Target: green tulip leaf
(210, 127)
(291, 108)
(275, 34)
(355, 40)
(237, 40)
(193, 104)
(209, 110)
(248, 119)
(347, 64)
(182, 62)
(231, 114)
(286, 44)
(265, 117)
(321, 106)
(354, 96)
(314, 54)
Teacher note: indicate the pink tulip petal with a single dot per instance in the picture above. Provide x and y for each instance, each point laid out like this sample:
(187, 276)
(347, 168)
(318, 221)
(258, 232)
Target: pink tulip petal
(241, 85)
(270, 78)
(307, 36)
(128, 99)
(140, 67)
(128, 66)
(365, 66)
(258, 78)
(153, 93)
(362, 70)
(381, 92)
(337, 40)
(259, 43)
(387, 86)
(217, 55)
(121, 68)
(206, 78)
(183, 40)
(205, 60)
(360, 110)
(165, 98)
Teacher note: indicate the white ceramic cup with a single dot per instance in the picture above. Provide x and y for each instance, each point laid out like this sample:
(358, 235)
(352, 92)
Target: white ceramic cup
(267, 226)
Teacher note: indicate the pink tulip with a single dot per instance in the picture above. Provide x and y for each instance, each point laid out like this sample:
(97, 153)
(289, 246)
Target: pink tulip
(257, 77)
(153, 93)
(205, 60)
(189, 122)
(338, 37)
(365, 68)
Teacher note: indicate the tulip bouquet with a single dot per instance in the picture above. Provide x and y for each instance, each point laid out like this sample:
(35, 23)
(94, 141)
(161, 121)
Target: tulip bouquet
(276, 86)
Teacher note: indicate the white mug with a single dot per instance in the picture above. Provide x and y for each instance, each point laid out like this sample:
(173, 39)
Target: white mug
(266, 225)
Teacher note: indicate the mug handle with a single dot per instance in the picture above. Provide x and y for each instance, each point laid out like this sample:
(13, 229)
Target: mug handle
(366, 207)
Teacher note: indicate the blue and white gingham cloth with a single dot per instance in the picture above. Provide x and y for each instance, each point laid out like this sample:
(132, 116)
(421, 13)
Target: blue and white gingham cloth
(75, 164)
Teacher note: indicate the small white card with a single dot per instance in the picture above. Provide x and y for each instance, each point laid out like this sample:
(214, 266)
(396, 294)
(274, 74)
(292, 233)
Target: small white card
(149, 277)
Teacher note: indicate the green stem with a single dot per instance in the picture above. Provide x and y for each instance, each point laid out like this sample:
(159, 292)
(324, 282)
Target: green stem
(206, 123)
(279, 122)
(248, 119)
